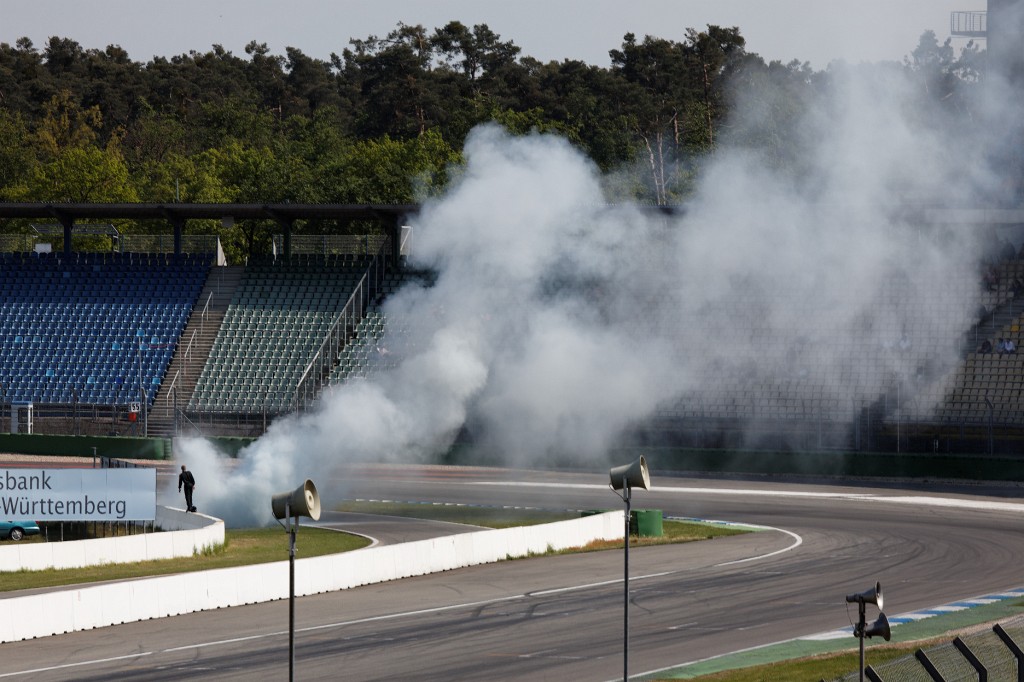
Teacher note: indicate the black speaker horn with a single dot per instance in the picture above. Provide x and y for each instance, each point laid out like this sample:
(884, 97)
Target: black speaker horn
(303, 501)
(870, 596)
(634, 475)
(879, 628)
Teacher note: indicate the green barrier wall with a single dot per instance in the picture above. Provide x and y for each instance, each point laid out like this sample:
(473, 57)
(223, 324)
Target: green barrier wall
(82, 446)
(869, 465)
(123, 447)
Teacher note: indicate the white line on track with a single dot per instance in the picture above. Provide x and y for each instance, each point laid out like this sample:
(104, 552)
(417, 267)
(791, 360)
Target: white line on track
(922, 500)
(797, 541)
(65, 666)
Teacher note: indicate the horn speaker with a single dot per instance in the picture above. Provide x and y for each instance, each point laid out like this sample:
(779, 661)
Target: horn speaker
(634, 475)
(303, 501)
(870, 596)
(880, 628)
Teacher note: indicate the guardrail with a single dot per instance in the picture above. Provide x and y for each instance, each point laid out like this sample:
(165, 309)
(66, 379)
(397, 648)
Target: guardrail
(85, 608)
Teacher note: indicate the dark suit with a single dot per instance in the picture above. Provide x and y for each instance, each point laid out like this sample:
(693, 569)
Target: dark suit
(186, 480)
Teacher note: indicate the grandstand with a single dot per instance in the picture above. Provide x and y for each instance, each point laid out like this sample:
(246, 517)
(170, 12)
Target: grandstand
(202, 347)
(279, 317)
(96, 329)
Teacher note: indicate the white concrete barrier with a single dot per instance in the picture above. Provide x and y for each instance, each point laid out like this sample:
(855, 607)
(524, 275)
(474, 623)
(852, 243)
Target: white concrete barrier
(83, 608)
(185, 535)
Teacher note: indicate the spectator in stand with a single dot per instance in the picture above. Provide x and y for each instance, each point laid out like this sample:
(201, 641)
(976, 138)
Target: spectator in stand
(990, 278)
(1010, 346)
(985, 347)
(1001, 345)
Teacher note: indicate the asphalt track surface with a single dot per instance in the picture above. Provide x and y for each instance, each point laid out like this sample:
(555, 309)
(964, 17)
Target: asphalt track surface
(561, 618)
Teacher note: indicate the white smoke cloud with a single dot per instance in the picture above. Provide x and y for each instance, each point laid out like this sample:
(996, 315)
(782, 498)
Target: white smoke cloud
(556, 322)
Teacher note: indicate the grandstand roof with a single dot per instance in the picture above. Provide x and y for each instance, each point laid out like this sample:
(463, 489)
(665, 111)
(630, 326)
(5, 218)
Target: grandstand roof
(172, 211)
(67, 213)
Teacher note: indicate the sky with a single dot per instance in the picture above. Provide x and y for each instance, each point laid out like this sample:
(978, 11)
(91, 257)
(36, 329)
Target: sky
(815, 31)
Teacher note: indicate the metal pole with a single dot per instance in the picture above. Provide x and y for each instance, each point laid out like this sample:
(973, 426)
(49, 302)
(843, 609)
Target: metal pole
(139, 339)
(860, 636)
(625, 610)
(899, 418)
(291, 592)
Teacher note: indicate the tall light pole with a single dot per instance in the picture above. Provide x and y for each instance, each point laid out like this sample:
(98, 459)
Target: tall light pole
(625, 478)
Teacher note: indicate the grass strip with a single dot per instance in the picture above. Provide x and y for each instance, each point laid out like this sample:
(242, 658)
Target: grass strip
(812, 661)
(674, 531)
(241, 547)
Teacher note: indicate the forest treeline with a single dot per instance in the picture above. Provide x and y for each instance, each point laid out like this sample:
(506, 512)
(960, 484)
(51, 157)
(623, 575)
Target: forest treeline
(384, 121)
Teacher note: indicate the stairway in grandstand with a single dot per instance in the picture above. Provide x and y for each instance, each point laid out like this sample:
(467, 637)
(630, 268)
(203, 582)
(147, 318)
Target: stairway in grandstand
(279, 317)
(193, 349)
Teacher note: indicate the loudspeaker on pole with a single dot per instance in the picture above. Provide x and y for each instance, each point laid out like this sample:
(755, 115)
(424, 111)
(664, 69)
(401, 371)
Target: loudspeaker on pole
(303, 501)
(635, 475)
(880, 628)
(869, 596)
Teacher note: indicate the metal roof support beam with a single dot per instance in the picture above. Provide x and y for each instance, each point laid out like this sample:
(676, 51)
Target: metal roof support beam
(68, 223)
(178, 225)
(285, 222)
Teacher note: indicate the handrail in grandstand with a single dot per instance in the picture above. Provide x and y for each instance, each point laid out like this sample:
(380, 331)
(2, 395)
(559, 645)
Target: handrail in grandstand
(171, 394)
(205, 315)
(318, 370)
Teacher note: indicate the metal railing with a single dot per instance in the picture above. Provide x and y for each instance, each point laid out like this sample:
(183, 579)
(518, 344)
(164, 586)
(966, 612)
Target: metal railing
(325, 244)
(170, 396)
(164, 243)
(968, 23)
(318, 371)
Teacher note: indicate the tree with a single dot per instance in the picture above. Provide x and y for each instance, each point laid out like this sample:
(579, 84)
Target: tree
(655, 74)
(83, 173)
(17, 156)
(479, 53)
(67, 125)
(934, 64)
(24, 81)
(398, 93)
(389, 171)
(674, 91)
(310, 84)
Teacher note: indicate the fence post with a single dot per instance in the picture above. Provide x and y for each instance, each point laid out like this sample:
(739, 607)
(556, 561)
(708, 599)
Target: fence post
(923, 659)
(1013, 647)
(870, 673)
(966, 652)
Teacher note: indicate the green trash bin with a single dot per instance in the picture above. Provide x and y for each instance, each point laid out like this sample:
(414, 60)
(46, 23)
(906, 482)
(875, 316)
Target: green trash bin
(646, 523)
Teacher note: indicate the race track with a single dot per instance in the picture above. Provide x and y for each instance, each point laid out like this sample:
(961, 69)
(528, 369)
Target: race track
(561, 618)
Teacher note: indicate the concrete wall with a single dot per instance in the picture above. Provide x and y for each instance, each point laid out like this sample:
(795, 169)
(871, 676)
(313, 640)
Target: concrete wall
(83, 608)
(188, 534)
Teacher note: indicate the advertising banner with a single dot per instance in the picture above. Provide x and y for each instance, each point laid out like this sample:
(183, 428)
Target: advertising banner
(78, 494)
